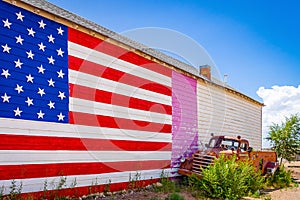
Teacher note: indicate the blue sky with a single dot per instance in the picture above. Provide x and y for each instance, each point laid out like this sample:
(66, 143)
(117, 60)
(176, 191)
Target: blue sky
(256, 43)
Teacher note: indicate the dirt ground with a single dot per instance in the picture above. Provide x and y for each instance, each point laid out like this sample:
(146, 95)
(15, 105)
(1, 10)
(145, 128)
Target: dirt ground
(275, 194)
(284, 194)
(292, 193)
(149, 195)
(295, 168)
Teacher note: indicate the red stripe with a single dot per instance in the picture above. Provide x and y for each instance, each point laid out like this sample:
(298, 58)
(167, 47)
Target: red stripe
(116, 75)
(24, 142)
(86, 190)
(115, 51)
(115, 122)
(67, 169)
(92, 94)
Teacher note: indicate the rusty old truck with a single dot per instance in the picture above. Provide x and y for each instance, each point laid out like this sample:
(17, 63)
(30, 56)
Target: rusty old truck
(266, 161)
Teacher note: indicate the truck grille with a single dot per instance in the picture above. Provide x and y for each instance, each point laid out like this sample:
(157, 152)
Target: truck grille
(201, 162)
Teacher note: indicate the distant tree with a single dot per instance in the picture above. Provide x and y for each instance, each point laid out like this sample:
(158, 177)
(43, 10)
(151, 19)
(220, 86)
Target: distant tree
(285, 137)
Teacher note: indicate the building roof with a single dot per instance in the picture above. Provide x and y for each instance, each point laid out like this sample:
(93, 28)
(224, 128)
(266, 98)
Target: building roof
(53, 9)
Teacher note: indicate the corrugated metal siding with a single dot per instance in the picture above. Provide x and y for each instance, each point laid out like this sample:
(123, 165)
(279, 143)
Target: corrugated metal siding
(224, 113)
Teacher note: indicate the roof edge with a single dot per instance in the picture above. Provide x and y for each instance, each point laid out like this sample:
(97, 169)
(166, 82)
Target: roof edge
(51, 8)
(69, 16)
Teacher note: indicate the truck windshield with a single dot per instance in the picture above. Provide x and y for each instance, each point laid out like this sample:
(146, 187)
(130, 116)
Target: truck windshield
(223, 143)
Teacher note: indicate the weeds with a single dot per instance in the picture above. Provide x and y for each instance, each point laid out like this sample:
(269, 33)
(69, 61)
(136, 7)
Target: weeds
(1, 192)
(193, 184)
(107, 187)
(74, 183)
(282, 178)
(138, 183)
(228, 179)
(154, 198)
(92, 188)
(45, 189)
(15, 190)
(174, 196)
(167, 184)
(60, 185)
(135, 182)
(267, 198)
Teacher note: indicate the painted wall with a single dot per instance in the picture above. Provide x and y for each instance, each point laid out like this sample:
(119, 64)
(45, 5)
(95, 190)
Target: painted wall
(224, 113)
(184, 118)
(97, 113)
(107, 115)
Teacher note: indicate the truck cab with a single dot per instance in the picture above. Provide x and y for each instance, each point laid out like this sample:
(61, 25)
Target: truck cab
(224, 143)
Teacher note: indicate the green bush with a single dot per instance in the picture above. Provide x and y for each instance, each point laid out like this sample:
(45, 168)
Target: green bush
(174, 196)
(228, 179)
(282, 178)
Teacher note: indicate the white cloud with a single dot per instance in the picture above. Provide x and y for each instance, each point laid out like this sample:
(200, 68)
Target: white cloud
(280, 102)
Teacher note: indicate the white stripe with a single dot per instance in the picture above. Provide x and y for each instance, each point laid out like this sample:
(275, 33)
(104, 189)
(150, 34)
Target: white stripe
(92, 107)
(19, 157)
(37, 184)
(92, 81)
(91, 55)
(34, 128)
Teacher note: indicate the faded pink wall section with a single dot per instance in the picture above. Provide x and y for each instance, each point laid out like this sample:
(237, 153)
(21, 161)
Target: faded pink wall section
(184, 117)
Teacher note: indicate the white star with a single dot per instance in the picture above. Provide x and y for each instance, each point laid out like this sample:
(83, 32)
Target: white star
(5, 73)
(20, 16)
(51, 82)
(60, 117)
(41, 92)
(18, 112)
(6, 48)
(31, 32)
(5, 98)
(42, 24)
(19, 88)
(51, 104)
(30, 54)
(41, 46)
(40, 114)
(18, 63)
(41, 69)
(60, 31)
(19, 40)
(50, 38)
(51, 60)
(61, 95)
(6, 23)
(29, 101)
(29, 78)
(60, 74)
(60, 52)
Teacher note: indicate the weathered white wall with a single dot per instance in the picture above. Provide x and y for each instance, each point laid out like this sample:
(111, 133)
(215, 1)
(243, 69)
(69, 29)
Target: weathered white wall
(226, 113)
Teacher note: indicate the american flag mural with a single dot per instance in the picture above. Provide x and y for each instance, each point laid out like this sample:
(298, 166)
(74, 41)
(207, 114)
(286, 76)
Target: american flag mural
(78, 107)
(80, 111)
